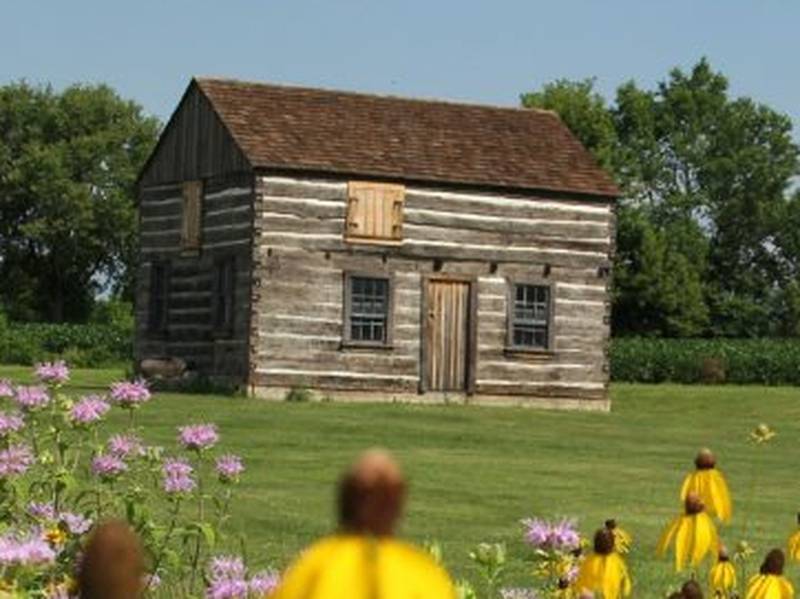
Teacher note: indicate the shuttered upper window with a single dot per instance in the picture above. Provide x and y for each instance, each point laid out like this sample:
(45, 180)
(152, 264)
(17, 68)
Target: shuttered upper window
(192, 215)
(374, 212)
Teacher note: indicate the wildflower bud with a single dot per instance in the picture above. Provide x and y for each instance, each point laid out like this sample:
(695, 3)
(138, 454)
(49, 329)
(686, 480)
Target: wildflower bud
(371, 495)
(603, 541)
(610, 524)
(722, 554)
(705, 459)
(113, 565)
(693, 504)
(691, 590)
(773, 563)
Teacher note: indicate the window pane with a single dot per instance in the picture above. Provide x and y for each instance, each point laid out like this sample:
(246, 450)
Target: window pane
(369, 308)
(530, 316)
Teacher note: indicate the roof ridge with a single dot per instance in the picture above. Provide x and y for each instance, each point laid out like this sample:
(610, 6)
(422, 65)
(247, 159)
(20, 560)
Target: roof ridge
(423, 100)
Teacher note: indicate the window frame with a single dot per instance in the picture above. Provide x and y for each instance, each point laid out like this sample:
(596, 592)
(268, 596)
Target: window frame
(192, 246)
(158, 328)
(347, 306)
(511, 296)
(226, 327)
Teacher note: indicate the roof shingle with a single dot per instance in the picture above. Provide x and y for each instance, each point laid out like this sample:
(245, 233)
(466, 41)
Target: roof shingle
(298, 128)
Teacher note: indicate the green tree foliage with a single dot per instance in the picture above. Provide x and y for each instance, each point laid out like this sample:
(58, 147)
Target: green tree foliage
(68, 165)
(703, 246)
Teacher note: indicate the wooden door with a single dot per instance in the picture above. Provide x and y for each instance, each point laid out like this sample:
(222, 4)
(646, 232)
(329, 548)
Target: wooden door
(447, 335)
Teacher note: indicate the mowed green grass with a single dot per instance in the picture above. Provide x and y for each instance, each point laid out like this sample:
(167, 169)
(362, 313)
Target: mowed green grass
(475, 472)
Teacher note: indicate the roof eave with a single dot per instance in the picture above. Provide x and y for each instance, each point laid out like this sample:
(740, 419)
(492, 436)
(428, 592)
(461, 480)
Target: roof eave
(600, 195)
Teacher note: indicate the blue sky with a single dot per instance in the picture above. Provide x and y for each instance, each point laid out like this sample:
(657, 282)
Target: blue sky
(468, 50)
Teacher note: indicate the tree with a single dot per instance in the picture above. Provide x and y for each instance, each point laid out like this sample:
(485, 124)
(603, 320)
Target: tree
(709, 174)
(68, 165)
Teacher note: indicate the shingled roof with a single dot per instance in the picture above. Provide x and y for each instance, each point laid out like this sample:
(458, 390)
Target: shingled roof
(305, 129)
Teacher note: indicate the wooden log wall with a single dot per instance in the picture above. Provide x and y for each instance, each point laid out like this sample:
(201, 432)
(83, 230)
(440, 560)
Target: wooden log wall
(300, 257)
(227, 231)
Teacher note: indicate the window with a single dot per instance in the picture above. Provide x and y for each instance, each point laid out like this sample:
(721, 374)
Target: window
(529, 317)
(374, 212)
(224, 285)
(367, 310)
(159, 293)
(192, 215)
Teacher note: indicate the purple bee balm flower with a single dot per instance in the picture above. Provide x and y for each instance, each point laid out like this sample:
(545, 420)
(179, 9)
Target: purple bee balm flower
(6, 388)
(14, 460)
(89, 410)
(41, 511)
(198, 436)
(130, 394)
(29, 550)
(229, 467)
(108, 467)
(563, 535)
(76, 523)
(226, 567)
(125, 446)
(263, 583)
(537, 532)
(52, 373)
(31, 398)
(227, 589)
(10, 423)
(177, 476)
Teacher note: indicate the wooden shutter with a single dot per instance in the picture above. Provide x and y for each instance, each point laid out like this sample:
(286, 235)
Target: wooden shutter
(192, 215)
(374, 212)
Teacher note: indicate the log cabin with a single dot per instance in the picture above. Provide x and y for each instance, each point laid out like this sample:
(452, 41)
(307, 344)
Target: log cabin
(376, 248)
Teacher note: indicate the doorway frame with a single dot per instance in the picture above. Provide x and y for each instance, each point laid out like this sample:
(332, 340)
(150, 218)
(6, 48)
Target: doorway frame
(471, 359)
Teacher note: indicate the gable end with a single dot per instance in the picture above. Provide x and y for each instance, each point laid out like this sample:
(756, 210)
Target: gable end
(195, 144)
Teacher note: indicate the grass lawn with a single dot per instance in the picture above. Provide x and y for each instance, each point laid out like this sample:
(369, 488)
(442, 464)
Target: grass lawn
(476, 471)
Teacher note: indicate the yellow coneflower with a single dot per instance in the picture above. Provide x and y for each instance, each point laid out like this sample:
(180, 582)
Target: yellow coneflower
(363, 560)
(770, 583)
(604, 570)
(710, 486)
(794, 542)
(355, 566)
(622, 538)
(693, 532)
(722, 576)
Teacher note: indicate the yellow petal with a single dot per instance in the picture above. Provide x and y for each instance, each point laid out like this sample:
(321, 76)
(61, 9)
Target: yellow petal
(794, 545)
(720, 495)
(667, 536)
(351, 567)
(688, 485)
(590, 574)
(683, 542)
(758, 587)
(787, 590)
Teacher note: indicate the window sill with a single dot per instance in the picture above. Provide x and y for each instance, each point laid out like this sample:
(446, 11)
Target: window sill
(356, 345)
(529, 353)
(373, 241)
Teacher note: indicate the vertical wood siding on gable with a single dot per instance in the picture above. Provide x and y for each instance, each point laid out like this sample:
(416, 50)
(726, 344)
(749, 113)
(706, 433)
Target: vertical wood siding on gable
(227, 226)
(301, 256)
(195, 145)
